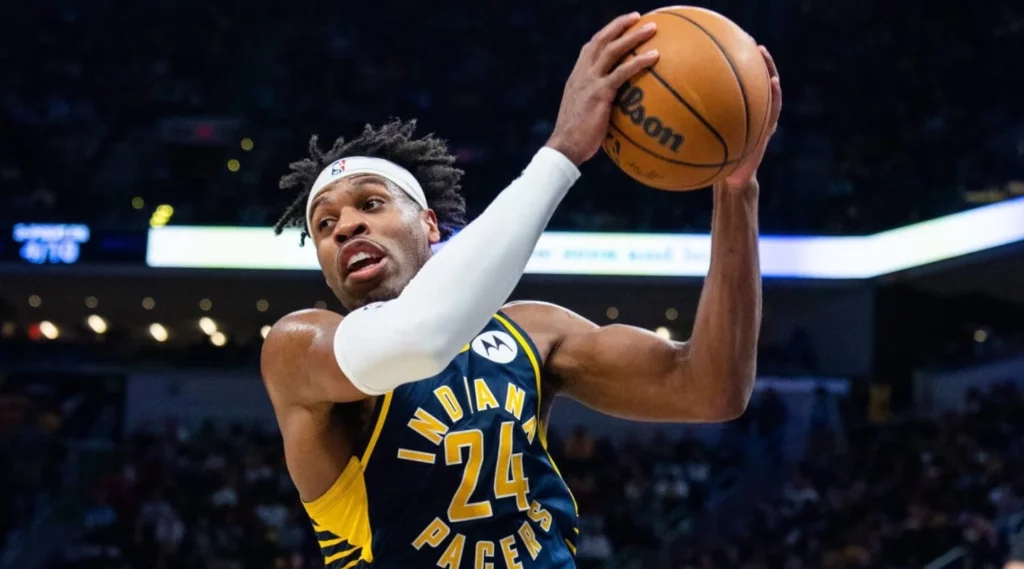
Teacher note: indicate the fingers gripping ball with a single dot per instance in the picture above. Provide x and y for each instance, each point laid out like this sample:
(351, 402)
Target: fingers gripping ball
(686, 122)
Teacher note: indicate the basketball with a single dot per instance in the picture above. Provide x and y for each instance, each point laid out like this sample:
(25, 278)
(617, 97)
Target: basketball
(687, 122)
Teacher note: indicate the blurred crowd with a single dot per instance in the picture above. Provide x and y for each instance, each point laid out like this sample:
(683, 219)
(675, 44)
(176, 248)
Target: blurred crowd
(177, 498)
(891, 495)
(44, 418)
(195, 500)
(892, 113)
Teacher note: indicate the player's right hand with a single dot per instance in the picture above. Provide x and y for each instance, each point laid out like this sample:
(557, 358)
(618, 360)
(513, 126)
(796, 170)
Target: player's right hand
(590, 90)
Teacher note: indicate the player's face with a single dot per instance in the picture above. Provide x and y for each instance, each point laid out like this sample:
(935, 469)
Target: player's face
(371, 239)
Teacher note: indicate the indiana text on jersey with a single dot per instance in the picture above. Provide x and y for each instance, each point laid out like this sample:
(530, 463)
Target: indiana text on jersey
(454, 472)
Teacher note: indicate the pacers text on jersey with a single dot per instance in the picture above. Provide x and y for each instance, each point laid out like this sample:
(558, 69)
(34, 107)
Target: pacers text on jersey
(465, 448)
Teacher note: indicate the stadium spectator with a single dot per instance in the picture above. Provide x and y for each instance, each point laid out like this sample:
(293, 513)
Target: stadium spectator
(897, 495)
(90, 124)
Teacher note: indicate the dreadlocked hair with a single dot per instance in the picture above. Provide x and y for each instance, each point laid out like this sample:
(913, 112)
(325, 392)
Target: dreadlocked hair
(427, 158)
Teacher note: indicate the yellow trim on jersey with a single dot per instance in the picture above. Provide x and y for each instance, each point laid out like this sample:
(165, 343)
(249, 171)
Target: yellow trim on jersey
(572, 547)
(339, 555)
(341, 515)
(328, 542)
(464, 349)
(384, 407)
(541, 430)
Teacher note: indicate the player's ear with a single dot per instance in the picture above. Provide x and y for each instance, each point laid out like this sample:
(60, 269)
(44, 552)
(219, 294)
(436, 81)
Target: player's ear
(429, 221)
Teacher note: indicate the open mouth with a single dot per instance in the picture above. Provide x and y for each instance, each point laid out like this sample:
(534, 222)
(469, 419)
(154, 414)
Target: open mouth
(362, 261)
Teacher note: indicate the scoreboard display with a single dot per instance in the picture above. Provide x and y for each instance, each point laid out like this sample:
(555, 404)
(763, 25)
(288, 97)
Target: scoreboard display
(70, 244)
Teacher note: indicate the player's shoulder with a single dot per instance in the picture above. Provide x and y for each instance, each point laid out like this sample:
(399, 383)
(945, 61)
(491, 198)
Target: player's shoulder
(538, 317)
(291, 338)
(310, 321)
(533, 310)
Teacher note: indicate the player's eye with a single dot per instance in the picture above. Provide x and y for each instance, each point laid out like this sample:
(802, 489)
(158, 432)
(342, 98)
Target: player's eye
(372, 203)
(325, 224)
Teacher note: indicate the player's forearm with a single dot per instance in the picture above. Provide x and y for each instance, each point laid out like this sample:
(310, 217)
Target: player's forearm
(723, 346)
(465, 283)
(458, 290)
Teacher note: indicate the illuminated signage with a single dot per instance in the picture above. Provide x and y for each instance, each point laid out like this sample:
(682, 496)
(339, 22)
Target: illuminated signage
(58, 243)
(69, 244)
(638, 254)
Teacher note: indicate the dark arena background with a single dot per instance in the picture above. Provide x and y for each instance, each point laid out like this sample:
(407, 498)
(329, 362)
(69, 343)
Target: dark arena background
(140, 149)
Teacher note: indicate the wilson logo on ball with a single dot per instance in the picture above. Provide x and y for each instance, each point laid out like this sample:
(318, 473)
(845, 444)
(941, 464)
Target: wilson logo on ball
(630, 102)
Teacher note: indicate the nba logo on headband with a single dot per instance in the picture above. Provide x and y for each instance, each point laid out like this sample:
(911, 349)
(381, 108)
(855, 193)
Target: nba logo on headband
(354, 165)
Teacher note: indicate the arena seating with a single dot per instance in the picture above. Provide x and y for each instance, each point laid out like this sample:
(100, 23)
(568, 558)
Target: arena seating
(879, 129)
(887, 495)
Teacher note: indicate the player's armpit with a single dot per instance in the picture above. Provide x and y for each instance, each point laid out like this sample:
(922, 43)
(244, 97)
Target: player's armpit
(629, 372)
(298, 361)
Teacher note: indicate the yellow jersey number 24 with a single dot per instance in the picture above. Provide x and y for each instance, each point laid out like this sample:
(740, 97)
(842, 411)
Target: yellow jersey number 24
(509, 480)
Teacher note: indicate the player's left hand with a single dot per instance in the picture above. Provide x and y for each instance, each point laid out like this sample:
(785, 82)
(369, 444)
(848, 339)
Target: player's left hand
(745, 176)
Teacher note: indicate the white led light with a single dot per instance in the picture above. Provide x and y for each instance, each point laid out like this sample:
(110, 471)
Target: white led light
(207, 325)
(638, 254)
(97, 324)
(49, 330)
(158, 332)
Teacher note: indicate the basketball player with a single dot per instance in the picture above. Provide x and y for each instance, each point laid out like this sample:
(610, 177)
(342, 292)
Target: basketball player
(414, 426)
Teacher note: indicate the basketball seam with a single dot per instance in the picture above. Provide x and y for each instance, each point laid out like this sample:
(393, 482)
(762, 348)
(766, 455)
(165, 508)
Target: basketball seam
(732, 66)
(695, 185)
(714, 132)
(671, 161)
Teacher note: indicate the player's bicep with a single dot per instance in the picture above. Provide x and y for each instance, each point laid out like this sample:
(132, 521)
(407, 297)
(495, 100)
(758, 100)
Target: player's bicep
(620, 370)
(624, 371)
(299, 364)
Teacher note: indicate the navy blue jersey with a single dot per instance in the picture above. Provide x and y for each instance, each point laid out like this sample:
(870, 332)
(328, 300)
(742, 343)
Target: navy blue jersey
(455, 472)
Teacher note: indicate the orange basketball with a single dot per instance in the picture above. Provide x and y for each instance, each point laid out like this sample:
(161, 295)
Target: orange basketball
(686, 122)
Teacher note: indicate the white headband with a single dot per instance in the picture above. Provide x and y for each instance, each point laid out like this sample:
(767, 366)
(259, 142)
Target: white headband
(354, 165)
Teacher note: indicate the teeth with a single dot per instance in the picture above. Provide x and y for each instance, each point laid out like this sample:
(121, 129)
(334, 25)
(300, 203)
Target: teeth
(360, 256)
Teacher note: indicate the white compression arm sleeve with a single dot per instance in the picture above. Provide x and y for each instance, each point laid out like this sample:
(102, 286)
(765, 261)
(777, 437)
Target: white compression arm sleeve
(451, 299)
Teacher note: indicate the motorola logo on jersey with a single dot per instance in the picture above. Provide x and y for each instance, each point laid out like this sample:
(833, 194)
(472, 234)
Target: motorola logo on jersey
(498, 347)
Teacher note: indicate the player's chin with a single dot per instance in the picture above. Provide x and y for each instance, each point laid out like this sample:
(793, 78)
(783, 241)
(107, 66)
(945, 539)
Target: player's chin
(380, 293)
(369, 288)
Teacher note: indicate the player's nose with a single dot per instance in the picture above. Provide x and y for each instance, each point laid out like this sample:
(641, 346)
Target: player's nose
(349, 228)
